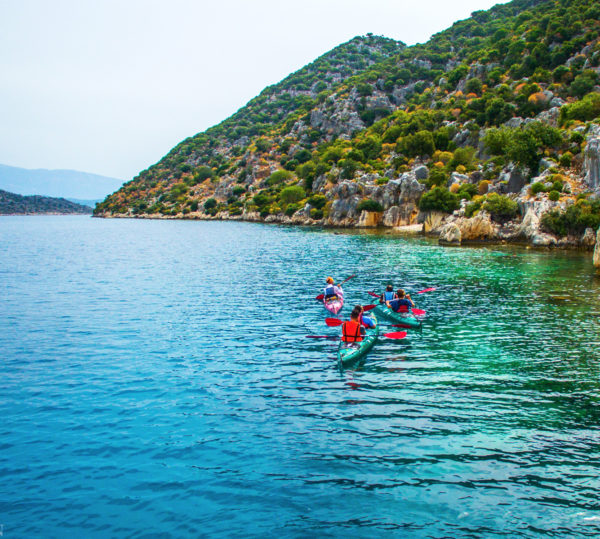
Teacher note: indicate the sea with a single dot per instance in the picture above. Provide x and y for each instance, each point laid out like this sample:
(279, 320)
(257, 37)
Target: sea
(157, 379)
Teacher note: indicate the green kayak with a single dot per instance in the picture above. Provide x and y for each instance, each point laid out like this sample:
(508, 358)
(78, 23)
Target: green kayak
(350, 352)
(404, 320)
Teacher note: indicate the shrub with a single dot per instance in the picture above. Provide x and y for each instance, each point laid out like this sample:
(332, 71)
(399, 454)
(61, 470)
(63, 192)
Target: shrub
(437, 176)
(210, 204)
(291, 194)
(368, 204)
(194, 205)
(316, 214)
(292, 209)
(586, 109)
(454, 188)
(554, 195)
(566, 159)
(279, 176)
(574, 220)
(238, 190)
(483, 186)
(466, 190)
(419, 144)
(500, 207)
(203, 173)
(317, 201)
(472, 208)
(537, 187)
(439, 199)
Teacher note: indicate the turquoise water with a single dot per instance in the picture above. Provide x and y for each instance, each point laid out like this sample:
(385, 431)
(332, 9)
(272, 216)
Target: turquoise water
(156, 381)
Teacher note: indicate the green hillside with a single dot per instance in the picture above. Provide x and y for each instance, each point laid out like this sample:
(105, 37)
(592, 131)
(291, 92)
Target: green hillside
(514, 85)
(12, 204)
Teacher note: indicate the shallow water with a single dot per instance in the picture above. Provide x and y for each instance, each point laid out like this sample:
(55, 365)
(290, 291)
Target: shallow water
(156, 380)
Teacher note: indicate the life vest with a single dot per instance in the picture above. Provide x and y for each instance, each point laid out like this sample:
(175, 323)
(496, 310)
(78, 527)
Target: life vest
(351, 331)
(388, 296)
(401, 307)
(330, 292)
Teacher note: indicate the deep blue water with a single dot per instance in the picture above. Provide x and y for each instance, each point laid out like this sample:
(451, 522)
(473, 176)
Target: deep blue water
(156, 381)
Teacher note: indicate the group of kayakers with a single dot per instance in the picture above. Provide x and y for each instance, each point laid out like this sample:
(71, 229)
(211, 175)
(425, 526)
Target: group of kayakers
(354, 329)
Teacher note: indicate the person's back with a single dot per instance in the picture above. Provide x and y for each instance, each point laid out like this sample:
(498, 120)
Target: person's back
(389, 294)
(402, 304)
(351, 329)
(332, 291)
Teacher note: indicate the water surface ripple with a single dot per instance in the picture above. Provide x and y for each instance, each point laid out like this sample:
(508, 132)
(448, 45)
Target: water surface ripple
(156, 380)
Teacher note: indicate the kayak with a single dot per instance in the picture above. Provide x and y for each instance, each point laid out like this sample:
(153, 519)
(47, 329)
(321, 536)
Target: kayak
(334, 306)
(350, 352)
(404, 320)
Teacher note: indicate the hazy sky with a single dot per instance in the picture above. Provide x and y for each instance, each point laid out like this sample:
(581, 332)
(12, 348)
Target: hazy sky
(111, 86)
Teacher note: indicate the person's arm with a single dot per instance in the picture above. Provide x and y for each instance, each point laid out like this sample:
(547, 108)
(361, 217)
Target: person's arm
(409, 299)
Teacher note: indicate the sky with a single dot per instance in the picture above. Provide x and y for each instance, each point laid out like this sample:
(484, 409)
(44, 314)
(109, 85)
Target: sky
(110, 86)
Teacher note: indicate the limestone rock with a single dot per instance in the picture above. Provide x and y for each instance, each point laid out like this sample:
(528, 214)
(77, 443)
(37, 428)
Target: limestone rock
(591, 164)
(455, 177)
(588, 240)
(477, 228)
(450, 234)
(432, 221)
(369, 219)
(596, 258)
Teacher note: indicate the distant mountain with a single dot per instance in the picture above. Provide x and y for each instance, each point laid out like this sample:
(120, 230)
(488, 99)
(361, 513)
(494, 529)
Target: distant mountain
(57, 183)
(12, 204)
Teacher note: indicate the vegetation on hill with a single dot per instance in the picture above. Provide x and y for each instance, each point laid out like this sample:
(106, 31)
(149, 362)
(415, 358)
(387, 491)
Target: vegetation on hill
(12, 204)
(511, 85)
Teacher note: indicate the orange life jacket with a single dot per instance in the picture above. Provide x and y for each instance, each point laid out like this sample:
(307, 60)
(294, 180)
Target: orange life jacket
(351, 331)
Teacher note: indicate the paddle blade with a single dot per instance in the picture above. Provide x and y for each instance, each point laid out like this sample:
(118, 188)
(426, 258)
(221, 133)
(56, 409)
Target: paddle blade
(371, 293)
(320, 297)
(333, 322)
(426, 290)
(329, 337)
(395, 335)
(368, 307)
(418, 312)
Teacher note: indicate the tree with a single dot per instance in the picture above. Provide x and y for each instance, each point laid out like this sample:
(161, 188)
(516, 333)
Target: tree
(439, 199)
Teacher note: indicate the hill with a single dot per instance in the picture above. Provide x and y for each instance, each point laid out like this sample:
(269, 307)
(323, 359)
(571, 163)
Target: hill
(492, 118)
(57, 183)
(12, 204)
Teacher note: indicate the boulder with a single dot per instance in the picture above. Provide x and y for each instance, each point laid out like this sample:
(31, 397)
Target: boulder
(399, 215)
(477, 228)
(450, 234)
(455, 177)
(421, 173)
(369, 219)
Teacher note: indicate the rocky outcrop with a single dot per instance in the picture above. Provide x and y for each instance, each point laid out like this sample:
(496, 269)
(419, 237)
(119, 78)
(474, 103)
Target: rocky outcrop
(596, 258)
(450, 234)
(369, 219)
(591, 163)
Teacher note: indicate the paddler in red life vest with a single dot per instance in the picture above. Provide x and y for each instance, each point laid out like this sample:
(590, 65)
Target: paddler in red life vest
(352, 330)
(332, 291)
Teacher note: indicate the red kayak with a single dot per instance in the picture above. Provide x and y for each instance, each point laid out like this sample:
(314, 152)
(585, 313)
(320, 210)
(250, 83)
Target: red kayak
(334, 306)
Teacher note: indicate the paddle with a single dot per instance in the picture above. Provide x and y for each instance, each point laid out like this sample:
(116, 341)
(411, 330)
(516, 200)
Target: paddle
(426, 290)
(392, 335)
(321, 296)
(416, 312)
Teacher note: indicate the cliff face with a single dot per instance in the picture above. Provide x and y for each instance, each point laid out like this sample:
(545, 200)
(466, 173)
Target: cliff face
(494, 115)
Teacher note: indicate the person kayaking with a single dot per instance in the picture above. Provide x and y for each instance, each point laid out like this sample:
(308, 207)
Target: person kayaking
(365, 321)
(402, 304)
(332, 291)
(352, 330)
(388, 295)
